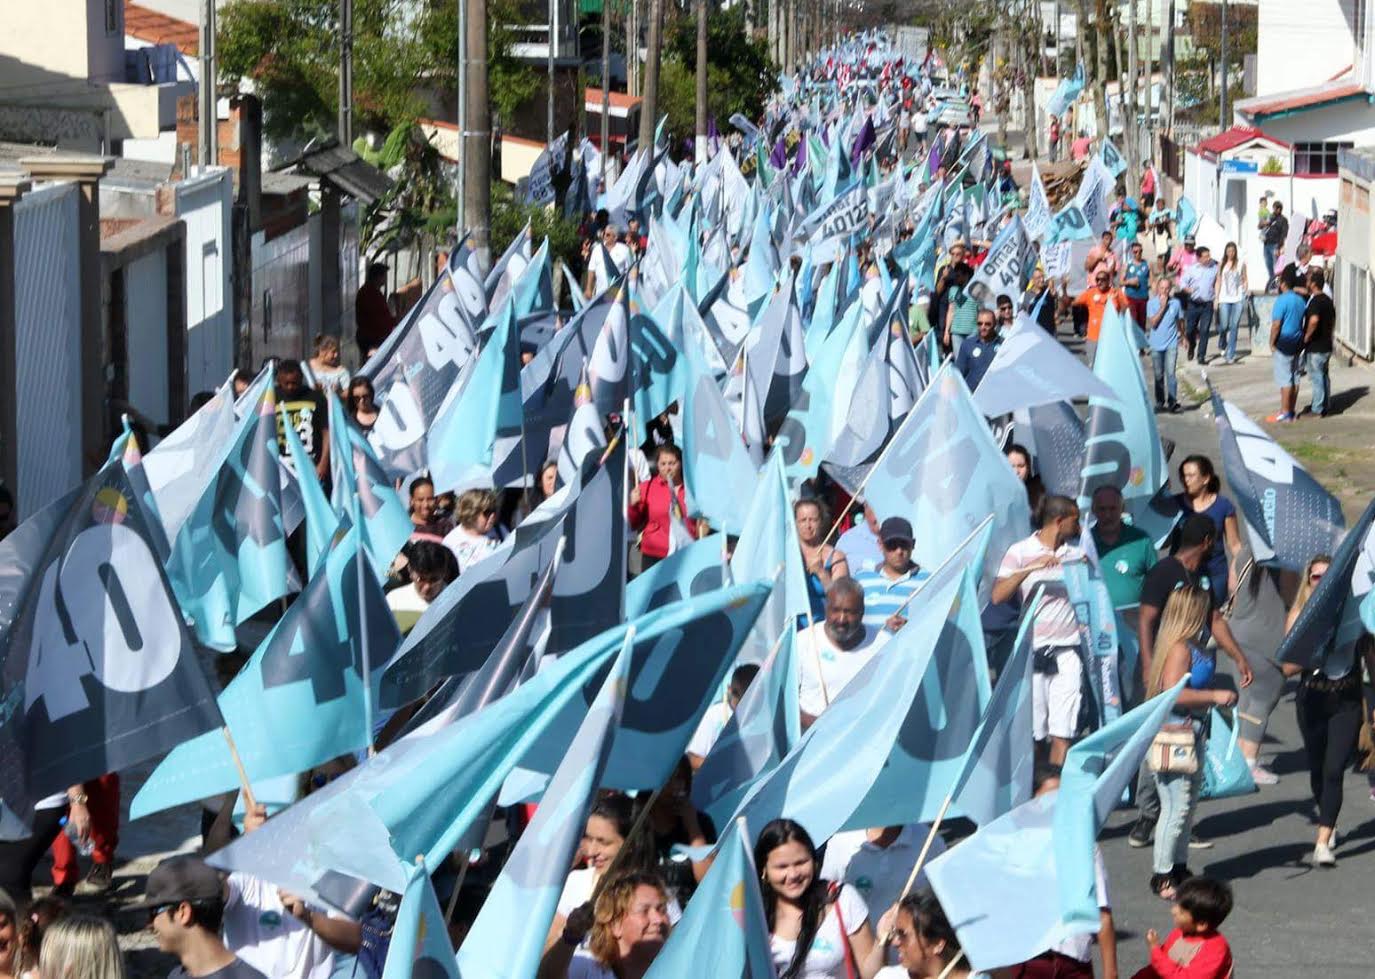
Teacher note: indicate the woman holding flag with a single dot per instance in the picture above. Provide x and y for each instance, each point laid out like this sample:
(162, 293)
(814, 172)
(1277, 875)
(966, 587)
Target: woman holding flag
(925, 941)
(817, 930)
(823, 562)
(628, 927)
(658, 503)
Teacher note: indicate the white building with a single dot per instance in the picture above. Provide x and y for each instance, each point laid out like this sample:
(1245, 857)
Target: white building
(1354, 285)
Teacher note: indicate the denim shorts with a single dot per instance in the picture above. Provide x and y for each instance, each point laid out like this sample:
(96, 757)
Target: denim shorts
(1286, 368)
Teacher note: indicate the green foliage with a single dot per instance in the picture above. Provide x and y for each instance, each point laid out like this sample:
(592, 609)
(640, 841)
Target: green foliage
(420, 192)
(509, 217)
(740, 76)
(401, 51)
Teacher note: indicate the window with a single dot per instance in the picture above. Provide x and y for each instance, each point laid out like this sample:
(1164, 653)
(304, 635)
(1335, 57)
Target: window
(1318, 158)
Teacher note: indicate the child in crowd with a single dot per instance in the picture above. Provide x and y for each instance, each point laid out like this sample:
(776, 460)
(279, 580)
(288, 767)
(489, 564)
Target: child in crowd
(1195, 949)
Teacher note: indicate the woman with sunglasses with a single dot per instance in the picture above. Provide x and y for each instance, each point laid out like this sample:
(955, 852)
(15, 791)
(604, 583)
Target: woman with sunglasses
(473, 537)
(925, 941)
(1328, 704)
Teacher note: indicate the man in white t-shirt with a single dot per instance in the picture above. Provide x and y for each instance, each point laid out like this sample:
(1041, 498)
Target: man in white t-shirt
(838, 647)
(608, 260)
(877, 862)
(276, 932)
(860, 544)
(718, 714)
(1057, 671)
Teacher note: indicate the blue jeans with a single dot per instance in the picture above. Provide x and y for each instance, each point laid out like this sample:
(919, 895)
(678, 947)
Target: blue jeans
(1163, 367)
(1178, 799)
(1229, 322)
(1198, 319)
(1271, 253)
(1317, 374)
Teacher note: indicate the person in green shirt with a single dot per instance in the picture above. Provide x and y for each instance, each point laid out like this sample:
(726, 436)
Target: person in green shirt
(1125, 553)
(961, 312)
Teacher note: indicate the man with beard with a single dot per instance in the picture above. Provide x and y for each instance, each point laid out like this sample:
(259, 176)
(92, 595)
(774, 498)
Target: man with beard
(834, 651)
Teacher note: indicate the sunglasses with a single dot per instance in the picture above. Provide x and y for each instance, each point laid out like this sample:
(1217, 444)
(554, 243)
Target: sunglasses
(897, 545)
(154, 912)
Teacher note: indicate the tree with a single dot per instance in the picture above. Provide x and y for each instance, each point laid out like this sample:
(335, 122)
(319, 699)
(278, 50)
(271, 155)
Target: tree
(740, 76)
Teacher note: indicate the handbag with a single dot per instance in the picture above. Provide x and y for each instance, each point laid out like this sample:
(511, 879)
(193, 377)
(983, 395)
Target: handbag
(1174, 750)
(1226, 773)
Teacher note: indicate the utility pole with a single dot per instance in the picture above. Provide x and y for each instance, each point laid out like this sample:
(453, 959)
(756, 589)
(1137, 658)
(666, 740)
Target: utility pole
(460, 191)
(701, 141)
(1101, 30)
(477, 187)
(549, 67)
(649, 112)
(606, 87)
(1151, 101)
(208, 149)
(1222, 94)
(1133, 128)
(1168, 40)
(632, 48)
(345, 72)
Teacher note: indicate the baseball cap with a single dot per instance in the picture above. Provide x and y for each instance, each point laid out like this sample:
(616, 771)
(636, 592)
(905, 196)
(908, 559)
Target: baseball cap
(181, 878)
(1195, 529)
(1189, 239)
(895, 528)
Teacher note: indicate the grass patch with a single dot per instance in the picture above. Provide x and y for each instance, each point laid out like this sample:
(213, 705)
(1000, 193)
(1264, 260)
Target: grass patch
(1313, 453)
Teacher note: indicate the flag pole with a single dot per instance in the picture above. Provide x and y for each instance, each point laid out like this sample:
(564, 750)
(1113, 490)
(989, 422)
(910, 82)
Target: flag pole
(360, 559)
(248, 799)
(926, 847)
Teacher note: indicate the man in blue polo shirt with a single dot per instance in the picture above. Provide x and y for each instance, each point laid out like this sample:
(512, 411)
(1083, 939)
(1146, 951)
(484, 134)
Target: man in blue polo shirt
(888, 587)
(977, 353)
(1286, 340)
(1164, 328)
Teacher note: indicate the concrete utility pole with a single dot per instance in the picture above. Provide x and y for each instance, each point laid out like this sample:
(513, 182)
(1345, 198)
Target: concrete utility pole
(1101, 30)
(477, 186)
(460, 191)
(701, 140)
(1222, 59)
(649, 110)
(606, 86)
(1133, 128)
(549, 67)
(345, 73)
(208, 148)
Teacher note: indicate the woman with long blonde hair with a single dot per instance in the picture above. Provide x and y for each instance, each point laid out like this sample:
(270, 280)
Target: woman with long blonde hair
(80, 946)
(1179, 655)
(1328, 704)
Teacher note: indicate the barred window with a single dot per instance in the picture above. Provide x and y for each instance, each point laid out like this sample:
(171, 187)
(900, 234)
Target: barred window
(1318, 158)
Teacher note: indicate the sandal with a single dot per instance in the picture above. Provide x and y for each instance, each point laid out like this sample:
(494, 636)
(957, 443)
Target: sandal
(1163, 886)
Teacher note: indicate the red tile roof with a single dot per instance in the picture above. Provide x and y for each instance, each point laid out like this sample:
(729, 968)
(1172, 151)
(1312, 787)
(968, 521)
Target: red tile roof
(619, 100)
(1232, 138)
(155, 28)
(1304, 98)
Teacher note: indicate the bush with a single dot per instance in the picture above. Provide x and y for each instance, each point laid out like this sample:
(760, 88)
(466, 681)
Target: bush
(510, 215)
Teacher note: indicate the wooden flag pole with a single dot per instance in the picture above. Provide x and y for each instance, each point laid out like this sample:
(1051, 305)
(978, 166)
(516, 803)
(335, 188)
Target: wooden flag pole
(950, 966)
(635, 830)
(926, 848)
(249, 801)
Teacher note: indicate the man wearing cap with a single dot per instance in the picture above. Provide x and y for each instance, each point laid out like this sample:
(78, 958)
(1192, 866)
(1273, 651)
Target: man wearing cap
(1181, 260)
(888, 587)
(184, 899)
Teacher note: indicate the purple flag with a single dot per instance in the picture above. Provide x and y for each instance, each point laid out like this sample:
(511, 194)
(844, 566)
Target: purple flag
(863, 141)
(800, 159)
(779, 157)
(933, 161)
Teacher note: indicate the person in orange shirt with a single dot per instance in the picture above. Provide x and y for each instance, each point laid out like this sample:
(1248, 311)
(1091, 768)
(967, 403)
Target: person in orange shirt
(1095, 299)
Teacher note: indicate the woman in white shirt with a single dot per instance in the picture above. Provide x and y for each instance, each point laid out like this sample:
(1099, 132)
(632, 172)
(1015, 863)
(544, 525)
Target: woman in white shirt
(816, 930)
(926, 944)
(1230, 300)
(475, 517)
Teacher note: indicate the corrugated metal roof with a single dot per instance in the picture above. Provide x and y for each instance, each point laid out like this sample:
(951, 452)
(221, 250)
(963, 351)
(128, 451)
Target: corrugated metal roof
(346, 170)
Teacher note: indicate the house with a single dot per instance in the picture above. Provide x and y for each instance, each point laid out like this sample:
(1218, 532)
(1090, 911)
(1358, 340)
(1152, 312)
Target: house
(624, 117)
(67, 78)
(1354, 282)
(1225, 176)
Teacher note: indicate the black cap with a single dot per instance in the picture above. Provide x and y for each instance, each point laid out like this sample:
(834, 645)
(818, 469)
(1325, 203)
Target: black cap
(895, 528)
(181, 878)
(1195, 529)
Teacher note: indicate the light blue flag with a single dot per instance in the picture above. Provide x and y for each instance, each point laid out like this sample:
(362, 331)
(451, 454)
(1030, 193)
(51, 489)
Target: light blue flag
(944, 472)
(658, 374)
(764, 727)
(928, 755)
(419, 795)
(994, 884)
(822, 780)
(768, 541)
(717, 469)
(1033, 368)
(321, 520)
(533, 291)
(419, 947)
(125, 450)
(1093, 610)
(1123, 449)
(363, 493)
(461, 440)
(1185, 216)
(229, 560)
(823, 313)
(996, 771)
(761, 267)
(507, 939)
(691, 570)
(299, 701)
(1070, 223)
(1112, 158)
(1095, 773)
(723, 931)
(683, 653)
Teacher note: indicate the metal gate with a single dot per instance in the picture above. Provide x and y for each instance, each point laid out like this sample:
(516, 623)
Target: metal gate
(204, 203)
(47, 345)
(280, 321)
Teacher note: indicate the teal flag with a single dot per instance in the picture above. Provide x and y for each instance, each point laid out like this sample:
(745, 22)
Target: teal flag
(419, 944)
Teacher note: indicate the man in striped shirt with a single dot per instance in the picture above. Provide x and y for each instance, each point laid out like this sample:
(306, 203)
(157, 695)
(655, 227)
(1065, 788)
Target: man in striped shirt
(888, 587)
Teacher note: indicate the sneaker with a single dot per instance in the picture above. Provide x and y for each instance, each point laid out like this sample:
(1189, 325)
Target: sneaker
(1197, 842)
(1263, 776)
(1323, 857)
(1175, 407)
(1142, 834)
(1281, 416)
(100, 879)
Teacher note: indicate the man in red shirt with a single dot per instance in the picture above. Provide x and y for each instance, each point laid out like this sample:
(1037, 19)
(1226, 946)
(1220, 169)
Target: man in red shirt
(1096, 299)
(372, 316)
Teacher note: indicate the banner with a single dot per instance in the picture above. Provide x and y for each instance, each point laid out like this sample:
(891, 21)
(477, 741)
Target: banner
(1000, 273)
(1037, 218)
(540, 189)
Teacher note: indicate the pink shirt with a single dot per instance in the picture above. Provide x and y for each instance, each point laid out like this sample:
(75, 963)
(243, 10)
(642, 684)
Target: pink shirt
(1055, 623)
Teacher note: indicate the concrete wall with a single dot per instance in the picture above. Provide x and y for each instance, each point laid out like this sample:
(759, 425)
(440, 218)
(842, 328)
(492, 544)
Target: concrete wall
(1302, 44)
(204, 204)
(1355, 286)
(1352, 121)
(145, 318)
